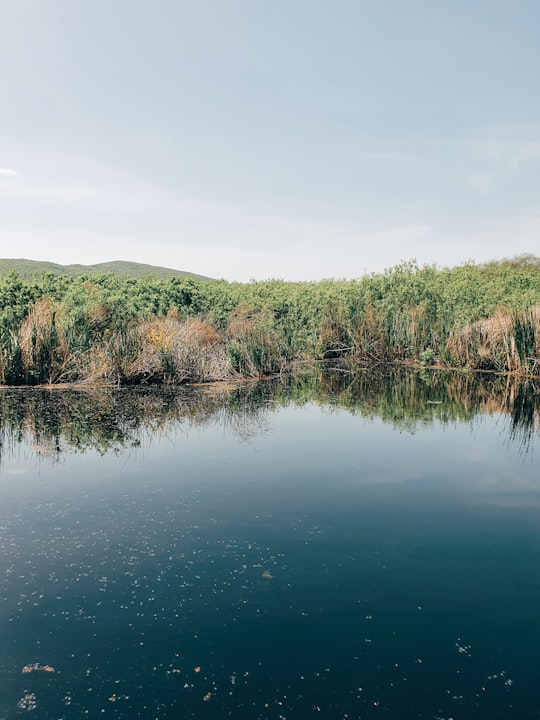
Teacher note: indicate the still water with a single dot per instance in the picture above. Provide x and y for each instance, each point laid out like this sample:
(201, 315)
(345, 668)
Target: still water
(327, 548)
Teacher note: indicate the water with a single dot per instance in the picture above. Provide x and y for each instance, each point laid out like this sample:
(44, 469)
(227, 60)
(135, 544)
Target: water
(330, 548)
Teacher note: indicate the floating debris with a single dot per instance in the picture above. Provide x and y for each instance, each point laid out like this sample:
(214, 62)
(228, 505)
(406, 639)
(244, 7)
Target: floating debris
(463, 649)
(36, 667)
(267, 575)
(27, 702)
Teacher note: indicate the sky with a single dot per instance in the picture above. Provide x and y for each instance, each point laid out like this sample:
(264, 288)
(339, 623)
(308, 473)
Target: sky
(294, 139)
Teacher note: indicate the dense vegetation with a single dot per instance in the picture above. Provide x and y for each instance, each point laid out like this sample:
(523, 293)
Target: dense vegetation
(59, 328)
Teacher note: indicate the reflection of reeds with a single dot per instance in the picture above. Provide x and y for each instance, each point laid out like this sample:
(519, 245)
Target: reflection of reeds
(109, 420)
(522, 403)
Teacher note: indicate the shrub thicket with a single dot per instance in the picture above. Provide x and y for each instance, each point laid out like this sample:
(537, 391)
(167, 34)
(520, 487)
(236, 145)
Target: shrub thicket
(120, 330)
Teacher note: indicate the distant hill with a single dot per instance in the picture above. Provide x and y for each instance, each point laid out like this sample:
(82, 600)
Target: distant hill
(28, 268)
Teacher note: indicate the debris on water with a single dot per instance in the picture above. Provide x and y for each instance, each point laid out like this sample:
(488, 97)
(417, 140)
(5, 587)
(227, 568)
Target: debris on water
(36, 667)
(463, 649)
(207, 697)
(27, 702)
(267, 575)
(197, 669)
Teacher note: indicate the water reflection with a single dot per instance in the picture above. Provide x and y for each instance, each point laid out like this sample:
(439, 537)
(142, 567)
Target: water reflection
(107, 420)
(522, 403)
(340, 570)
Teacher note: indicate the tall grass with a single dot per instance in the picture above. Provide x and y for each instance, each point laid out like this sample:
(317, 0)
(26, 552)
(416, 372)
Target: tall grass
(509, 341)
(39, 351)
(121, 331)
(255, 347)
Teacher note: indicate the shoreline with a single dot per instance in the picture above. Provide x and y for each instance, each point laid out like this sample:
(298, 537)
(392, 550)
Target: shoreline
(349, 366)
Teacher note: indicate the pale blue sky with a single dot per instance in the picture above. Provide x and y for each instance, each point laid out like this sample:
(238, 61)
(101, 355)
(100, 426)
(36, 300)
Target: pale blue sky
(298, 139)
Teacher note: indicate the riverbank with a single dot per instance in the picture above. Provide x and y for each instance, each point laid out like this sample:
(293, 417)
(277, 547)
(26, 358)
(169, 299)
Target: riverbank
(121, 331)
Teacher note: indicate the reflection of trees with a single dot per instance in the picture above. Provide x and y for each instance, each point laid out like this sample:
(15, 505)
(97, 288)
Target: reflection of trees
(410, 398)
(107, 420)
(52, 422)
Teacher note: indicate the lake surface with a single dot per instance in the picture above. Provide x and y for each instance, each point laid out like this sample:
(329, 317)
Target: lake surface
(325, 547)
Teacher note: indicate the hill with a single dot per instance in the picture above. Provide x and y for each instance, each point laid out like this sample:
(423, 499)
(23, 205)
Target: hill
(29, 268)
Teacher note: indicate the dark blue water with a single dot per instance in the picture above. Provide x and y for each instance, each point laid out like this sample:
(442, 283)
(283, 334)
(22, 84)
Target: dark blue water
(305, 562)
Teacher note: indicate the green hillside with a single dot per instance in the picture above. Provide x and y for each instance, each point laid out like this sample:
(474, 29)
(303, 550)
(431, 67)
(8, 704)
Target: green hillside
(30, 268)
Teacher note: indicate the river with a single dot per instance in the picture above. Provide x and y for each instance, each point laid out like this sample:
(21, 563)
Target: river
(327, 546)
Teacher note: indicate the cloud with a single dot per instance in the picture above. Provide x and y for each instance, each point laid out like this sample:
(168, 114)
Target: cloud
(8, 171)
(62, 193)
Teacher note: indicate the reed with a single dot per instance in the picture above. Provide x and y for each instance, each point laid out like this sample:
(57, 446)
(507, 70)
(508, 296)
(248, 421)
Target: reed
(42, 347)
(121, 331)
(526, 336)
(175, 351)
(255, 347)
(509, 341)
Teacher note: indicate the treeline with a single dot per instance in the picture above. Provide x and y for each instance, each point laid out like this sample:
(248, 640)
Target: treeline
(114, 329)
